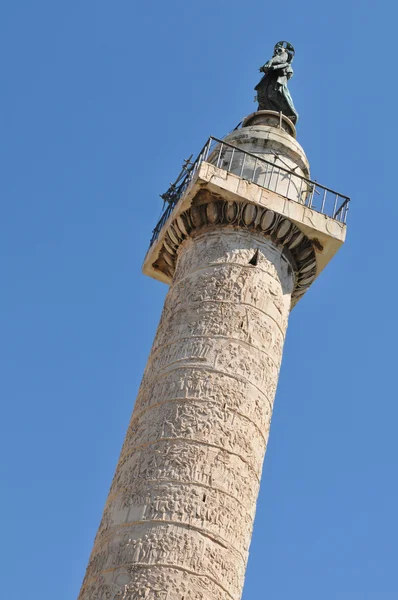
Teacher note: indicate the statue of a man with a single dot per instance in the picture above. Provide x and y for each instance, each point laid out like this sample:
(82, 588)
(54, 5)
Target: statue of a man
(272, 91)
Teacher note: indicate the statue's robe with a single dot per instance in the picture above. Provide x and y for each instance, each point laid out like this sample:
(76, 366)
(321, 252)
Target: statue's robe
(273, 93)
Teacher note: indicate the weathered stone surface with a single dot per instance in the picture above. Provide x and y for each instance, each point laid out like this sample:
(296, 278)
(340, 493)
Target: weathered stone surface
(178, 519)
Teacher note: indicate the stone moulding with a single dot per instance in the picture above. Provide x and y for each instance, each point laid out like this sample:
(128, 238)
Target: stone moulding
(208, 211)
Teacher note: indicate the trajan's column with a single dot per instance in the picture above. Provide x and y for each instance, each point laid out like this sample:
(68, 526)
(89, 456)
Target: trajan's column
(244, 235)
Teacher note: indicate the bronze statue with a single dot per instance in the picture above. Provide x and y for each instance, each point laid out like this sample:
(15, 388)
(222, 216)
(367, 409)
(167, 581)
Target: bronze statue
(272, 91)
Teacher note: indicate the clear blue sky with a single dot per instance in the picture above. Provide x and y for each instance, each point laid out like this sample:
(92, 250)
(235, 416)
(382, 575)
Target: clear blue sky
(101, 101)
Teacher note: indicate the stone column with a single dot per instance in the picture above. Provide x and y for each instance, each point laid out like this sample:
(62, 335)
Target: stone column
(178, 520)
(240, 246)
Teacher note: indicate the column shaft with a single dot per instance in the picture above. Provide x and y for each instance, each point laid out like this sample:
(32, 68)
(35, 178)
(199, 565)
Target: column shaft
(178, 519)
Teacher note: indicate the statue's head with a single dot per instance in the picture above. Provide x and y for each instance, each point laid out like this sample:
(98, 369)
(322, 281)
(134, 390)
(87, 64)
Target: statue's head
(283, 46)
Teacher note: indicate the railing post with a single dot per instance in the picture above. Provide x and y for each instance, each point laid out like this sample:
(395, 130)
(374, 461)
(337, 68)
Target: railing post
(334, 207)
(288, 185)
(230, 162)
(311, 197)
(271, 174)
(266, 173)
(301, 189)
(277, 179)
(323, 200)
(207, 151)
(254, 170)
(243, 164)
(346, 209)
(219, 156)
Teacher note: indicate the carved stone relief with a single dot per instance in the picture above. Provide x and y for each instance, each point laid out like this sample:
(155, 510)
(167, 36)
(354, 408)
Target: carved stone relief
(196, 383)
(171, 547)
(203, 508)
(208, 423)
(179, 516)
(188, 463)
(209, 213)
(162, 583)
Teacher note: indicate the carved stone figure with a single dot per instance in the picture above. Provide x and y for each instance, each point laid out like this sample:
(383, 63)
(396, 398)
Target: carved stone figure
(180, 511)
(272, 90)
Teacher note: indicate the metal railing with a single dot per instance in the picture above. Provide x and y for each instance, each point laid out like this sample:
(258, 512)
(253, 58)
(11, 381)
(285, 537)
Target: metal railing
(268, 175)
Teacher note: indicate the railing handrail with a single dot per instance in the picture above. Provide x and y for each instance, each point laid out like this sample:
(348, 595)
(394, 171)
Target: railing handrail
(310, 181)
(346, 201)
(177, 189)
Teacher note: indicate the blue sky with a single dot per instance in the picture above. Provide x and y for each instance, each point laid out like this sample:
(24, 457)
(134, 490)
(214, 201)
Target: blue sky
(101, 101)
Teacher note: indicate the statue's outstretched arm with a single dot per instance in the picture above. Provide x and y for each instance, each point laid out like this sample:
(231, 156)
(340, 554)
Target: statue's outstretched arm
(267, 66)
(281, 66)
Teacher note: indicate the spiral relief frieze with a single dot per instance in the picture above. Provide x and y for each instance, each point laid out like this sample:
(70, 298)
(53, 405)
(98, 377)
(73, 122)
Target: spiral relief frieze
(178, 519)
